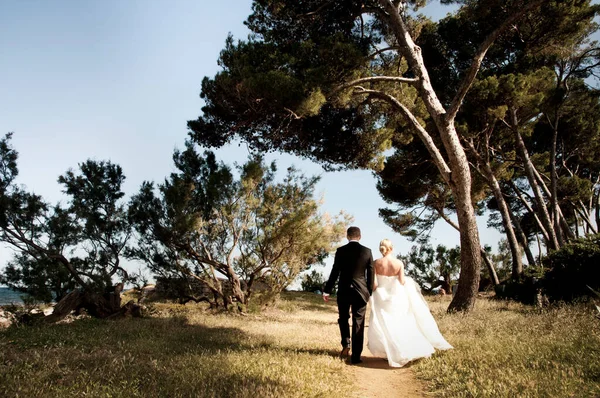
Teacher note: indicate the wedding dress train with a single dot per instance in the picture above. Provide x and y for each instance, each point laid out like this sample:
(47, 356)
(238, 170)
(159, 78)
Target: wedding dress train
(401, 327)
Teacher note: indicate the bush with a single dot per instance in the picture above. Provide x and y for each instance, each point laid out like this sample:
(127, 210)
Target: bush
(525, 290)
(313, 282)
(571, 268)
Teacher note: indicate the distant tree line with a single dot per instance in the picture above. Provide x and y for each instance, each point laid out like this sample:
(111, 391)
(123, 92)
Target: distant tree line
(203, 222)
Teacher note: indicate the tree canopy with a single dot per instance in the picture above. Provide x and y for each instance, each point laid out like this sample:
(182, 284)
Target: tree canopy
(342, 83)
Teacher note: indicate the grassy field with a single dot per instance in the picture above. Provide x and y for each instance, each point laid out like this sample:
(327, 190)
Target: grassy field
(505, 349)
(501, 350)
(181, 351)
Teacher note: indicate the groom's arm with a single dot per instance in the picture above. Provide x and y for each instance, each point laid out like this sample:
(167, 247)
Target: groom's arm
(333, 277)
(370, 273)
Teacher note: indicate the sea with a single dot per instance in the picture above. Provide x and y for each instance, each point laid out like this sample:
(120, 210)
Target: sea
(9, 296)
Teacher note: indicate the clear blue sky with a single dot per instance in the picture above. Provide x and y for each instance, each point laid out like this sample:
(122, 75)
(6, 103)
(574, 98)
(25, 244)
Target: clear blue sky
(118, 80)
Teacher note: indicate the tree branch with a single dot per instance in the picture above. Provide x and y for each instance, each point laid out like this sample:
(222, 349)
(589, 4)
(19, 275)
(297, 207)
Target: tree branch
(382, 50)
(447, 219)
(353, 83)
(421, 132)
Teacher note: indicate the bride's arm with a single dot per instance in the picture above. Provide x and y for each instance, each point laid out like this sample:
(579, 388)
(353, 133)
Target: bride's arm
(401, 273)
(375, 266)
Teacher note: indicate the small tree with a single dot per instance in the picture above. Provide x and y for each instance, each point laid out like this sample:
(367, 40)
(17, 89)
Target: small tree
(81, 243)
(206, 223)
(41, 279)
(433, 268)
(313, 282)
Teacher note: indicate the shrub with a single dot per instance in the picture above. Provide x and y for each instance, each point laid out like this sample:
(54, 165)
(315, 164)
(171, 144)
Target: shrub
(313, 282)
(571, 268)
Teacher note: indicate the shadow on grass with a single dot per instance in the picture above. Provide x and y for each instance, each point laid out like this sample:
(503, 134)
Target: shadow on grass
(382, 363)
(151, 357)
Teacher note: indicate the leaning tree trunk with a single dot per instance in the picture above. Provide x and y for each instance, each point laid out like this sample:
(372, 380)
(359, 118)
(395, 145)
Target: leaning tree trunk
(460, 175)
(563, 225)
(556, 213)
(585, 215)
(540, 204)
(492, 181)
(531, 211)
(522, 239)
(490, 267)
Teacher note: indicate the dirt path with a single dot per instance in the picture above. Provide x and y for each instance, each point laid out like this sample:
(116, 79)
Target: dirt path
(375, 379)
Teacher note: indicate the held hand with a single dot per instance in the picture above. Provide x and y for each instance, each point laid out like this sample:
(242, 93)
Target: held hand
(325, 297)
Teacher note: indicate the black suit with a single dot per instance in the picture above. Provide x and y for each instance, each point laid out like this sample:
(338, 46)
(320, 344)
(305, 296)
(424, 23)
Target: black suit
(354, 266)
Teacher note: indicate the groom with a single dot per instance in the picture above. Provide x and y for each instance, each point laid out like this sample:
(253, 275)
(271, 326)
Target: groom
(353, 265)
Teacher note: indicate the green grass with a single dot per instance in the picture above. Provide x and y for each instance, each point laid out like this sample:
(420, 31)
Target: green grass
(182, 351)
(504, 349)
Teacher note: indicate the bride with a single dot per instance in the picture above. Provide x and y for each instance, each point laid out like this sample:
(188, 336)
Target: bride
(401, 327)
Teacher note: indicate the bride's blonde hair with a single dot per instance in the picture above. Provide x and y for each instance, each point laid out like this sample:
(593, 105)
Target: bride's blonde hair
(385, 246)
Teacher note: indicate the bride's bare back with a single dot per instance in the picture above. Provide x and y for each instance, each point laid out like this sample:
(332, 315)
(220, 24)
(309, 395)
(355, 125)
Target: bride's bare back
(389, 266)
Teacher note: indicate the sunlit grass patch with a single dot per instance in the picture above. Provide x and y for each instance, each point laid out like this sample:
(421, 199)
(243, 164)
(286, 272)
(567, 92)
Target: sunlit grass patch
(505, 349)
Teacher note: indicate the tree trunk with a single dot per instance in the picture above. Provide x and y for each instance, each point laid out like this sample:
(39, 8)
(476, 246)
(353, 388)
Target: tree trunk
(447, 284)
(542, 210)
(598, 208)
(531, 211)
(539, 248)
(490, 267)
(563, 225)
(460, 184)
(522, 238)
(556, 213)
(492, 181)
(484, 256)
(236, 286)
(585, 215)
(107, 305)
(65, 306)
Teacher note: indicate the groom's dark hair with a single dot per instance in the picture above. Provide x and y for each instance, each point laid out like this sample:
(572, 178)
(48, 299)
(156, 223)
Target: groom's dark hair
(353, 233)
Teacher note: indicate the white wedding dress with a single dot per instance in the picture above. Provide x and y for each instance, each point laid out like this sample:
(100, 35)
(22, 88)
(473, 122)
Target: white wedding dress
(401, 327)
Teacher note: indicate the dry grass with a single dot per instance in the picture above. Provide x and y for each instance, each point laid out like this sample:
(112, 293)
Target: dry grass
(180, 352)
(289, 350)
(504, 349)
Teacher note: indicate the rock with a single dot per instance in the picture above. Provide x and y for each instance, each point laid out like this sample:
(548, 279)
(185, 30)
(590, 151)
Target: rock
(149, 287)
(6, 319)
(147, 292)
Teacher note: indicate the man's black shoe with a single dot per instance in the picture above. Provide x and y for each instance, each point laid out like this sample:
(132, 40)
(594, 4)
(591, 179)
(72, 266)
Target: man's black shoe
(356, 361)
